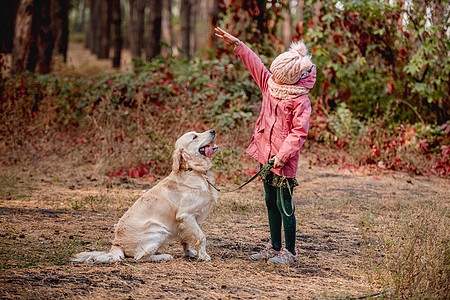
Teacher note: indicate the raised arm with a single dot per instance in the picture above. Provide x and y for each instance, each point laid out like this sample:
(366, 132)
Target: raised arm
(251, 61)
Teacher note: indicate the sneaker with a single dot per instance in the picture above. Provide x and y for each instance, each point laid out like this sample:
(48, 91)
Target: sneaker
(267, 253)
(285, 257)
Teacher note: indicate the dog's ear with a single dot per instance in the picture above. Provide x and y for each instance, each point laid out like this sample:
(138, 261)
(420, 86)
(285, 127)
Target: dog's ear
(177, 156)
(180, 159)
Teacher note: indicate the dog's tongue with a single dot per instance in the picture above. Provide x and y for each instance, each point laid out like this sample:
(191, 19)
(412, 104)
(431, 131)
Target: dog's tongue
(209, 151)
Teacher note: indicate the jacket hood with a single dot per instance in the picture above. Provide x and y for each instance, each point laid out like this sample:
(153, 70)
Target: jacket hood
(309, 80)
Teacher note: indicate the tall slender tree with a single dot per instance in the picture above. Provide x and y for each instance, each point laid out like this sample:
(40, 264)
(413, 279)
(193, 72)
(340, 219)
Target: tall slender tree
(185, 23)
(8, 11)
(153, 46)
(116, 16)
(96, 13)
(167, 26)
(60, 26)
(137, 17)
(300, 7)
(23, 36)
(286, 32)
(89, 40)
(195, 11)
(131, 28)
(105, 29)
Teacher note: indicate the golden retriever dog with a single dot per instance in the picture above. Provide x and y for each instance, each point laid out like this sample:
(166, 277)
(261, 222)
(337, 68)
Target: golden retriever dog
(173, 209)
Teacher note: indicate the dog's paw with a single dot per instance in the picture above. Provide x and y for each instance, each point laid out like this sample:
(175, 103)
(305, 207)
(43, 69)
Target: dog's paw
(204, 257)
(165, 257)
(158, 257)
(191, 253)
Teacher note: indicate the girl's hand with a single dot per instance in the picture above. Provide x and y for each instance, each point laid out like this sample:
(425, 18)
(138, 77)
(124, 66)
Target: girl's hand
(228, 38)
(278, 164)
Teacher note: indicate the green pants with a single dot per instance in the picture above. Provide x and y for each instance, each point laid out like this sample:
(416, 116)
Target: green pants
(278, 218)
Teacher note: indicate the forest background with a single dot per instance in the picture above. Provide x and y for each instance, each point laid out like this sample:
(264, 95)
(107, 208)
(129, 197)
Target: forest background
(381, 99)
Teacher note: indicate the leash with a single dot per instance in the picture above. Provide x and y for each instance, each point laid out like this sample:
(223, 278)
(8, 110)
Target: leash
(267, 166)
(282, 196)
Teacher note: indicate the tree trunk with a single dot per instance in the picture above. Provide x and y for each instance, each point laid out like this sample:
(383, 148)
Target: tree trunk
(33, 39)
(130, 36)
(60, 26)
(105, 31)
(89, 40)
(118, 40)
(166, 27)
(185, 23)
(137, 17)
(8, 11)
(140, 25)
(195, 6)
(82, 24)
(212, 23)
(316, 8)
(23, 40)
(153, 46)
(45, 41)
(96, 30)
(286, 33)
(300, 5)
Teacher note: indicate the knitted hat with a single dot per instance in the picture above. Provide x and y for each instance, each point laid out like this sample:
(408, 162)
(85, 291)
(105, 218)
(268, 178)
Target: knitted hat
(289, 66)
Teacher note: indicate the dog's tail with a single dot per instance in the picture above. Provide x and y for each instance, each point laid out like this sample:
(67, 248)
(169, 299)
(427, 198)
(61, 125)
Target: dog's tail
(114, 254)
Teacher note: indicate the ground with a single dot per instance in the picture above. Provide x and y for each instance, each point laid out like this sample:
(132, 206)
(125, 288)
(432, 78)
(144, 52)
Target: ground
(47, 215)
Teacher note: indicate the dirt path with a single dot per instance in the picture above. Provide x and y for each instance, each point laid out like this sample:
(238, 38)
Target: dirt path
(47, 216)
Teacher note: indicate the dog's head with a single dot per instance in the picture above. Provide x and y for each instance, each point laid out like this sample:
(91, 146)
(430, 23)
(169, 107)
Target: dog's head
(193, 150)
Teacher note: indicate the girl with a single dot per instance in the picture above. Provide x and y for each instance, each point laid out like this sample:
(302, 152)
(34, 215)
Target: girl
(280, 131)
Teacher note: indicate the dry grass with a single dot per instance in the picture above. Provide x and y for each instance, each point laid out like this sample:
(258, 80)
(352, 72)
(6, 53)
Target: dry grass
(45, 217)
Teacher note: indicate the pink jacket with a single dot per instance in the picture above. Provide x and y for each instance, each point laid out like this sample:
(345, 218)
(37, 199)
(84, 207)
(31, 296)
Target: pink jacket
(282, 126)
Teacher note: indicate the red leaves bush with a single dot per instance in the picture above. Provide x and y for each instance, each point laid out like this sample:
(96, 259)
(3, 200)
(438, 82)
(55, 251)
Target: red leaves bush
(417, 148)
(125, 124)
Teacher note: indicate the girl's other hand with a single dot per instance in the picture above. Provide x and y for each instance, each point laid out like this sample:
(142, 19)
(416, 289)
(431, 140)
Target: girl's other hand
(228, 38)
(278, 164)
